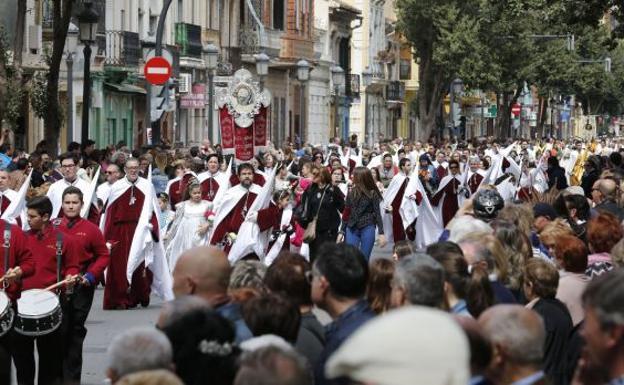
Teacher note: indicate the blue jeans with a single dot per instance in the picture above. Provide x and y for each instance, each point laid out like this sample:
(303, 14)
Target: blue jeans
(363, 238)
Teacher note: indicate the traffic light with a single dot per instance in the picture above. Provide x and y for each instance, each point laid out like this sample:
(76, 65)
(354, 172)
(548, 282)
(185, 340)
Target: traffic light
(159, 97)
(172, 84)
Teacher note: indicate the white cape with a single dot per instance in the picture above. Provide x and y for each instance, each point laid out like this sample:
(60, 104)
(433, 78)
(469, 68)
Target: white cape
(17, 207)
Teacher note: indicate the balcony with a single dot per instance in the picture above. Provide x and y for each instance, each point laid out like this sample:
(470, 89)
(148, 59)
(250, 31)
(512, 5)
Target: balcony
(395, 91)
(249, 39)
(122, 48)
(188, 38)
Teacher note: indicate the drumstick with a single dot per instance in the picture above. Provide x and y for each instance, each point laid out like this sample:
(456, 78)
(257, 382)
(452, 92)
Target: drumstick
(61, 283)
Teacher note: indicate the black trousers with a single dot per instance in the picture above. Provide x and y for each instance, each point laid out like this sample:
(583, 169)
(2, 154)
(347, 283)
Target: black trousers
(322, 237)
(5, 360)
(76, 313)
(50, 352)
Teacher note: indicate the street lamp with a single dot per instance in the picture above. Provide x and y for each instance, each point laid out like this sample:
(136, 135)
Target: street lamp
(367, 79)
(87, 21)
(338, 79)
(303, 75)
(262, 67)
(212, 56)
(70, 44)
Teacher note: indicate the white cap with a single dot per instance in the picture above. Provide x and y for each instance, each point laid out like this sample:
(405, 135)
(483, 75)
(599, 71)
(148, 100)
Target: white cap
(412, 345)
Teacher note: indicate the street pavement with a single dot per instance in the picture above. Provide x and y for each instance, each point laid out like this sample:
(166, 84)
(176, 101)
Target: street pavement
(103, 326)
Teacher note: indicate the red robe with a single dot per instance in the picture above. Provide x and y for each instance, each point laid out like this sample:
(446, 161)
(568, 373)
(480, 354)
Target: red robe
(399, 233)
(43, 247)
(121, 222)
(19, 255)
(474, 182)
(177, 188)
(271, 218)
(448, 196)
(441, 171)
(209, 188)
(233, 221)
(95, 258)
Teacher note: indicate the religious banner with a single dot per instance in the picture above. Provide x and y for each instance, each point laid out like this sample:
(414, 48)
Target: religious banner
(243, 116)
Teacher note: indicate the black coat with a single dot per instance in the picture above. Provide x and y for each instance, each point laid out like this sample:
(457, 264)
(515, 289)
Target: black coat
(558, 324)
(331, 208)
(557, 178)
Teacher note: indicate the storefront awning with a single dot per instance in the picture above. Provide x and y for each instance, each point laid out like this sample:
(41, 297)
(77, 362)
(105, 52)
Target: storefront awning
(126, 88)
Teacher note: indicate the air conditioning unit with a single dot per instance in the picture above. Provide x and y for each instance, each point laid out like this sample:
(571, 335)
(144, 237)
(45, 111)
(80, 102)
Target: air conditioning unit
(184, 85)
(34, 37)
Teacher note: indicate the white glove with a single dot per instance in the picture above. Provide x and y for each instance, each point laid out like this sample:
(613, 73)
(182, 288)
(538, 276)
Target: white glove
(253, 216)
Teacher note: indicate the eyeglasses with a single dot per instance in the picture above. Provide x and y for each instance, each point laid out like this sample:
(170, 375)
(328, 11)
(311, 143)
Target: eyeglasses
(68, 165)
(110, 172)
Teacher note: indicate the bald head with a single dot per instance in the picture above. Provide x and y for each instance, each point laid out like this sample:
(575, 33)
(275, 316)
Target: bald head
(607, 187)
(203, 271)
(517, 331)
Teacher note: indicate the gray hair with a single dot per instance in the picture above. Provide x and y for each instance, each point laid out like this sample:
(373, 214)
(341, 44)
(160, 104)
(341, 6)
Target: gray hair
(248, 274)
(175, 309)
(605, 295)
(138, 349)
(465, 225)
(273, 365)
(422, 277)
(520, 331)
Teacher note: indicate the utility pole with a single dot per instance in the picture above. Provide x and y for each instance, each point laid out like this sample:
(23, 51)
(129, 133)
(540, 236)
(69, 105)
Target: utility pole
(159, 35)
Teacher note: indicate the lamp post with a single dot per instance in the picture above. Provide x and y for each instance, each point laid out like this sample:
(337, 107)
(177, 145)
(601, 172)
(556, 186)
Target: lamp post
(338, 79)
(303, 75)
(72, 42)
(262, 68)
(87, 21)
(367, 79)
(212, 55)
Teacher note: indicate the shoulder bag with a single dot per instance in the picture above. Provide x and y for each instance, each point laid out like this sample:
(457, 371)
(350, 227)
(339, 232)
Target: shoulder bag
(310, 232)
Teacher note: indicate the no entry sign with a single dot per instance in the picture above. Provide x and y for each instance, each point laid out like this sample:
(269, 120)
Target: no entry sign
(157, 70)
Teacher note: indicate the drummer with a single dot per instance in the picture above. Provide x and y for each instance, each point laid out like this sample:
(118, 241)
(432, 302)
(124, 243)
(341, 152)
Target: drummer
(17, 256)
(94, 261)
(44, 240)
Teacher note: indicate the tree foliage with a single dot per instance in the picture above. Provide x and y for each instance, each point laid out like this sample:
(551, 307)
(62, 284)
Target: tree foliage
(497, 45)
(11, 90)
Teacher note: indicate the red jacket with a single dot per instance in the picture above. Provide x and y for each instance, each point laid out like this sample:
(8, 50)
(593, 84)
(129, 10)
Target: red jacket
(19, 255)
(43, 247)
(95, 256)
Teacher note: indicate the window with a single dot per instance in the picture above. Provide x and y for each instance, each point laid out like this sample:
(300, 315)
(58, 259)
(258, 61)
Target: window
(180, 11)
(405, 70)
(278, 14)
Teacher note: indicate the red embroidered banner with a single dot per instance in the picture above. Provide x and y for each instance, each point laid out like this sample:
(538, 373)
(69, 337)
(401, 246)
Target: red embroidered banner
(243, 142)
(227, 131)
(260, 130)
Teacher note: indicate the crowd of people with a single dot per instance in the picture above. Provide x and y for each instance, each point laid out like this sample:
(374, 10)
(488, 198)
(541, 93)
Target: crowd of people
(505, 262)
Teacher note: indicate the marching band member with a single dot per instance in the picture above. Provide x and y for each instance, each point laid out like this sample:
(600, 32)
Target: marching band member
(47, 244)
(94, 260)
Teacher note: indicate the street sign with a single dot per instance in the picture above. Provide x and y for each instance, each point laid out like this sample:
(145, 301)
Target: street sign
(157, 70)
(515, 109)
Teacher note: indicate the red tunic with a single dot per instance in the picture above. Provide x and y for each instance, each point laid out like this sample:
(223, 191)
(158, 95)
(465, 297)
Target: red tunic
(93, 217)
(121, 222)
(209, 188)
(19, 255)
(441, 171)
(271, 218)
(95, 258)
(176, 190)
(448, 195)
(399, 233)
(234, 220)
(43, 247)
(474, 182)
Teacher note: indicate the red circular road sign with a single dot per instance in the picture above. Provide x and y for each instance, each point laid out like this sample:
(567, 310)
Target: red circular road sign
(157, 70)
(515, 109)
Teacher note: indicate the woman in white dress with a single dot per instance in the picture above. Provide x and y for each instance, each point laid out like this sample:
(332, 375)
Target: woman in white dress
(189, 225)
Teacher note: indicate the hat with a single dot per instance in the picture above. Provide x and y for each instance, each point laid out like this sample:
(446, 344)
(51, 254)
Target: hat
(411, 345)
(544, 210)
(575, 190)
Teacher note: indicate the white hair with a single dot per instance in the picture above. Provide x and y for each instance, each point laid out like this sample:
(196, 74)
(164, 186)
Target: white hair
(138, 349)
(462, 226)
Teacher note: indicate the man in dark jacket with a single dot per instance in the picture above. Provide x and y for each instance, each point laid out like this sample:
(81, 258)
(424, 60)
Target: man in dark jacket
(604, 194)
(591, 175)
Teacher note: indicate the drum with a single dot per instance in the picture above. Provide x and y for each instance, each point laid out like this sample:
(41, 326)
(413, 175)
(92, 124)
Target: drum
(38, 313)
(6, 314)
